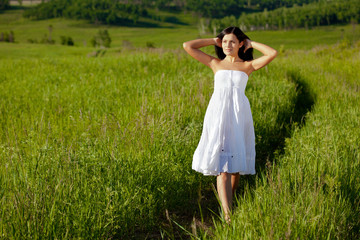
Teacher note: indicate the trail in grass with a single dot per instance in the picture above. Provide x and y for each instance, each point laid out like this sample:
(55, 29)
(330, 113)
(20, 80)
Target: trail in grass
(311, 190)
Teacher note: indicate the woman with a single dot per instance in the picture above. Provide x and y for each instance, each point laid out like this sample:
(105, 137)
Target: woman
(227, 144)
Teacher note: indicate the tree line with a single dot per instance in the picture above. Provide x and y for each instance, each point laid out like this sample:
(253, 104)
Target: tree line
(118, 11)
(248, 14)
(306, 16)
(97, 11)
(220, 8)
(4, 4)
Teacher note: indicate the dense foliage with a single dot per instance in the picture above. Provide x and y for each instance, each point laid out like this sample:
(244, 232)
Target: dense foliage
(305, 16)
(65, 40)
(7, 37)
(98, 11)
(4, 4)
(102, 39)
(114, 12)
(219, 8)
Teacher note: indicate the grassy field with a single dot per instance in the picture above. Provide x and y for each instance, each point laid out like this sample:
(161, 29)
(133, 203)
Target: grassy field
(102, 147)
(112, 136)
(166, 35)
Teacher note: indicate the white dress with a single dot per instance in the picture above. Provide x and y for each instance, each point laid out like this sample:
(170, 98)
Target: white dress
(227, 142)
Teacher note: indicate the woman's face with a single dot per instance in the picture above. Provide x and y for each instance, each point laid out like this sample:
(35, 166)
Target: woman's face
(231, 45)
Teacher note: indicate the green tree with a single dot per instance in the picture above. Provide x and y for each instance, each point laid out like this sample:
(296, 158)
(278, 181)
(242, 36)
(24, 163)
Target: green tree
(101, 39)
(4, 4)
(97, 11)
(66, 41)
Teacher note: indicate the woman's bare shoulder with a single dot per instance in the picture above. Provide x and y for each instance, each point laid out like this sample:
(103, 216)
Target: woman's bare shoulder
(215, 63)
(249, 67)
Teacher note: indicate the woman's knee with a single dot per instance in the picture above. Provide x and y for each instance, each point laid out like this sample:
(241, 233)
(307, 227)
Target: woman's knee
(224, 176)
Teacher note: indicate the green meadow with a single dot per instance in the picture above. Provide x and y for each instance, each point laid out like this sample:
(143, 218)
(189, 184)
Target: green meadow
(166, 35)
(101, 147)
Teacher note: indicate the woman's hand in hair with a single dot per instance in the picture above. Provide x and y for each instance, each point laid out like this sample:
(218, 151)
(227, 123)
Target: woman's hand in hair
(218, 42)
(268, 55)
(247, 44)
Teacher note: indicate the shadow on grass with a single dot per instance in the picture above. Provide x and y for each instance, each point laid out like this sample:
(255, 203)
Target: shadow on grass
(275, 139)
(124, 23)
(139, 24)
(194, 215)
(144, 24)
(272, 146)
(121, 22)
(19, 7)
(274, 142)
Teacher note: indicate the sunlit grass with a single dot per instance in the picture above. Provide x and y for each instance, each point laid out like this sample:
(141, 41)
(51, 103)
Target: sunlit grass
(312, 191)
(102, 147)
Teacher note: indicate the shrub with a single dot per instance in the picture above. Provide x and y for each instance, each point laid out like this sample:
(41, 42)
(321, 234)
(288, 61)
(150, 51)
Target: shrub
(47, 40)
(97, 11)
(7, 37)
(150, 45)
(102, 39)
(66, 41)
(30, 40)
(4, 4)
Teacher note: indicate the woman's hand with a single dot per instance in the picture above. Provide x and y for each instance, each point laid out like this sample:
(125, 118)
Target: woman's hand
(218, 42)
(247, 44)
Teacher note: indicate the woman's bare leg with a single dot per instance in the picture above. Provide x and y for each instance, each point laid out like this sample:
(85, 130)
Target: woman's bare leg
(235, 177)
(225, 192)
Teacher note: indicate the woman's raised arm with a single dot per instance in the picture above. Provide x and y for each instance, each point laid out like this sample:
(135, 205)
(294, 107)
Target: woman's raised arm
(191, 47)
(269, 54)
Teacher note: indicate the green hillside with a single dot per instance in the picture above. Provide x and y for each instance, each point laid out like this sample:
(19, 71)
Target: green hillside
(125, 39)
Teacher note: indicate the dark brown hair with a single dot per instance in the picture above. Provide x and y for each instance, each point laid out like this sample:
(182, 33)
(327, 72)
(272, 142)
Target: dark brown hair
(248, 55)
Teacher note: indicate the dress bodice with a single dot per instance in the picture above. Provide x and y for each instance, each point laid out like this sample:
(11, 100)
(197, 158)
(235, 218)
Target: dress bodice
(230, 79)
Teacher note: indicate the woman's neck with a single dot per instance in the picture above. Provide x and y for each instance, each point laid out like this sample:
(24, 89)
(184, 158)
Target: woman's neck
(233, 59)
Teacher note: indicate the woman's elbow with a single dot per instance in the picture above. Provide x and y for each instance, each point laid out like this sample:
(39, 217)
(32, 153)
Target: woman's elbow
(274, 53)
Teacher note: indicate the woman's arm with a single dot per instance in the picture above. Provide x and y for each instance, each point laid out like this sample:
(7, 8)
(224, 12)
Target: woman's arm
(269, 54)
(191, 47)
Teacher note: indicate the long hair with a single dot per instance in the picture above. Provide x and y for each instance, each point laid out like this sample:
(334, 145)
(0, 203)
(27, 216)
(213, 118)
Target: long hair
(248, 55)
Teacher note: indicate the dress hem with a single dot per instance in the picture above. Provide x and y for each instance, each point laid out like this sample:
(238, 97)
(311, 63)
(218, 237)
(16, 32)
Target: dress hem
(217, 173)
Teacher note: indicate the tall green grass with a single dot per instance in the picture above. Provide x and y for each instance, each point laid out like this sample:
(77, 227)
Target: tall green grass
(312, 190)
(81, 140)
(102, 148)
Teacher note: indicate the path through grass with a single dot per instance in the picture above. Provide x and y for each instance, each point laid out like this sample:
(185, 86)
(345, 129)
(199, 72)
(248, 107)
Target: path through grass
(312, 191)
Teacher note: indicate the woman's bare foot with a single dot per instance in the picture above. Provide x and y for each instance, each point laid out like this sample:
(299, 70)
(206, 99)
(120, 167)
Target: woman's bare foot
(227, 219)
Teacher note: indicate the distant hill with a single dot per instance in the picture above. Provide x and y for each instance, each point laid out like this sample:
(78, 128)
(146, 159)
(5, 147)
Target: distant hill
(306, 16)
(125, 11)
